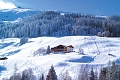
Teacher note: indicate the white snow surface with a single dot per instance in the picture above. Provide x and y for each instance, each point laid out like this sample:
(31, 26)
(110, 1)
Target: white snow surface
(4, 4)
(96, 50)
(13, 15)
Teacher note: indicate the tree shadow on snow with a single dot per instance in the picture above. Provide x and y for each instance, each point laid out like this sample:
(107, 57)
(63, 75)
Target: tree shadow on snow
(2, 68)
(84, 59)
(16, 45)
(61, 64)
(30, 41)
(10, 53)
(3, 45)
(118, 61)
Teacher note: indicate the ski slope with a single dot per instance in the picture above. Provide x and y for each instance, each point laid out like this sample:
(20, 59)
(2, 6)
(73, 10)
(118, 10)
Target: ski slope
(97, 51)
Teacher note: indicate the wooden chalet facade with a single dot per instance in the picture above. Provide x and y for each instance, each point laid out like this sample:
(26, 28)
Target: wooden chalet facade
(62, 48)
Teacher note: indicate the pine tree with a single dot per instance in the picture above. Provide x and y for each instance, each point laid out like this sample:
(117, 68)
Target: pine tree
(102, 75)
(51, 74)
(48, 50)
(16, 77)
(92, 75)
(23, 40)
(66, 76)
(15, 68)
(114, 72)
(83, 74)
(27, 74)
(42, 77)
(96, 75)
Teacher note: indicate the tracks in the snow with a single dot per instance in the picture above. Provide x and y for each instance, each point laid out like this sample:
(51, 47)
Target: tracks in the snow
(98, 46)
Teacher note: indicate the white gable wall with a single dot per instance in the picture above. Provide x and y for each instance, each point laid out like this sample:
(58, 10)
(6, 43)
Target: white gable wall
(69, 49)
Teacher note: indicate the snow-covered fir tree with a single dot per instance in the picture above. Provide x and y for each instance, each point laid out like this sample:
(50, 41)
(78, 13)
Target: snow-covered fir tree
(52, 23)
(48, 50)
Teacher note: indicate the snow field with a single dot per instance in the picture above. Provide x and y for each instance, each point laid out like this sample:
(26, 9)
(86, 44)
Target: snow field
(96, 50)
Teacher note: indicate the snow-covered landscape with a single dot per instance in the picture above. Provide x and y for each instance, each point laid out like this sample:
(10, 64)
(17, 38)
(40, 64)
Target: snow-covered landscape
(57, 45)
(97, 52)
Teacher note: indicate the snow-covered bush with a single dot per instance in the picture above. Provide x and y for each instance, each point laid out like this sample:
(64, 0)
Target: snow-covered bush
(23, 40)
(107, 33)
(81, 51)
(39, 52)
(66, 76)
(27, 74)
(104, 34)
(99, 34)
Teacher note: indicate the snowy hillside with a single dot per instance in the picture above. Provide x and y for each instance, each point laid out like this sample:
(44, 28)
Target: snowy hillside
(16, 13)
(97, 51)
